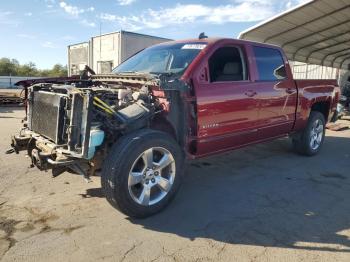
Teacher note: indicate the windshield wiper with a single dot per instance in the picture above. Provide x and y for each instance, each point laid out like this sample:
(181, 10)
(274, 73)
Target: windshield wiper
(164, 73)
(128, 72)
(135, 73)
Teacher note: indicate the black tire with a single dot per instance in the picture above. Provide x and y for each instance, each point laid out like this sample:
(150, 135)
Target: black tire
(302, 143)
(335, 117)
(118, 164)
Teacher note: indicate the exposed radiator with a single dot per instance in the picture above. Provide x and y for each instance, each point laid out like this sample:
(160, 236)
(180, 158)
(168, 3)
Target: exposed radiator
(47, 115)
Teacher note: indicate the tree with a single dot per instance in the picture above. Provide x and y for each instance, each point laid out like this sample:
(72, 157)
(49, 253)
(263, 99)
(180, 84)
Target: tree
(8, 67)
(59, 70)
(28, 70)
(13, 67)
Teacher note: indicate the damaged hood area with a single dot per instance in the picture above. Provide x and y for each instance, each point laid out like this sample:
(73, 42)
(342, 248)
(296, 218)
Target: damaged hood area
(73, 117)
(137, 78)
(163, 81)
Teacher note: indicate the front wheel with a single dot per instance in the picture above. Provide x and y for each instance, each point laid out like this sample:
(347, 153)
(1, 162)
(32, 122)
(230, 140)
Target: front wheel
(311, 139)
(142, 173)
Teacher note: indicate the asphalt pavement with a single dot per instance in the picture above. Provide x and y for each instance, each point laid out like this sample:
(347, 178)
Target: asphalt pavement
(260, 203)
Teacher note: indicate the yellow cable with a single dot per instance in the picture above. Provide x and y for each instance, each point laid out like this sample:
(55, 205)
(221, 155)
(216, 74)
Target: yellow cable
(104, 109)
(104, 104)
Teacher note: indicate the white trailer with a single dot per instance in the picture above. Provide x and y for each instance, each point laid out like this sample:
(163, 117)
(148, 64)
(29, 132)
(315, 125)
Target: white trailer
(78, 57)
(104, 52)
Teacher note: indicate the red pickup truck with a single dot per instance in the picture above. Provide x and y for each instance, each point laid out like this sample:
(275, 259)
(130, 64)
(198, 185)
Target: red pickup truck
(171, 102)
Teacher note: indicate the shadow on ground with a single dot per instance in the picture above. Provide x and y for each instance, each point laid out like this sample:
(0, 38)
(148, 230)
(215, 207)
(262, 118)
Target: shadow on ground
(265, 196)
(93, 192)
(9, 109)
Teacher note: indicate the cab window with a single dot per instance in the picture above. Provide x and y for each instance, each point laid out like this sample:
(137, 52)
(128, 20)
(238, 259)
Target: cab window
(226, 65)
(269, 63)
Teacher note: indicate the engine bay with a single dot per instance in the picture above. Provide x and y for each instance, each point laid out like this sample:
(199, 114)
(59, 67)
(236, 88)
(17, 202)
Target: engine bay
(69, 123)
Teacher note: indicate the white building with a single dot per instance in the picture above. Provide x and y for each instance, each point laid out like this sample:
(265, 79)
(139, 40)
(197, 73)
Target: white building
(104, 52)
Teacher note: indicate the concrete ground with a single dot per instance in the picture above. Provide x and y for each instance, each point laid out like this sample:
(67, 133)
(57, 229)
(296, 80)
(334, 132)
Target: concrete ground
(15, 91)
(261, 203)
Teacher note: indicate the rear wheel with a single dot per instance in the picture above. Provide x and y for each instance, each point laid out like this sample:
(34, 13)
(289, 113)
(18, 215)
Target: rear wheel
(311, 139)
(142, 173)
(335, 117)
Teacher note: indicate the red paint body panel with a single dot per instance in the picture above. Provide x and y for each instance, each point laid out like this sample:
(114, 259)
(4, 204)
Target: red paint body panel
(311, 92)
(227, 118)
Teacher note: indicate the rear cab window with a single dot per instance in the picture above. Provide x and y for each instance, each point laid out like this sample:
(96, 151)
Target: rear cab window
(270, 64)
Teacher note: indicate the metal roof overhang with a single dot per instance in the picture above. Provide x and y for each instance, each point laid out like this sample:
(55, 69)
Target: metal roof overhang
(316, 32)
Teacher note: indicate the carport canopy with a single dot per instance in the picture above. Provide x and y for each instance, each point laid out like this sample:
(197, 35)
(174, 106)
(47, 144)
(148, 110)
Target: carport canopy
(316, 32)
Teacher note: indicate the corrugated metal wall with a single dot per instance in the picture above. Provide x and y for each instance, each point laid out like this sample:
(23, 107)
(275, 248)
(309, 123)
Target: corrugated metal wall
(308, 71)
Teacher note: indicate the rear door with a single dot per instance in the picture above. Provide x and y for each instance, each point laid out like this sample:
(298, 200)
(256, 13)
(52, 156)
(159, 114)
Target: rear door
(226, 103)
(277, 93)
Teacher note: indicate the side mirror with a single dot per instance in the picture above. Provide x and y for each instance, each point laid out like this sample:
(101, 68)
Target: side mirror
(203, 76)
(280, 72)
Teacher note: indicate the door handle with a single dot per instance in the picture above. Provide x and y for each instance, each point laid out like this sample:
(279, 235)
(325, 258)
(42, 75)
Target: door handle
(250, 93)
(290, 90)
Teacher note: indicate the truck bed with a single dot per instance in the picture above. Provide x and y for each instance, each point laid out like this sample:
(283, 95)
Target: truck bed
(310, 92)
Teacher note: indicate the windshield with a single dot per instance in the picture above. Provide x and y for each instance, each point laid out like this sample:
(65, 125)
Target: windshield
(166, 58)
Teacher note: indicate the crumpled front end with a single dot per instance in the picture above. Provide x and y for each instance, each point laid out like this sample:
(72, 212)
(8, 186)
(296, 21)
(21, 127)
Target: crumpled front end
(71, 127)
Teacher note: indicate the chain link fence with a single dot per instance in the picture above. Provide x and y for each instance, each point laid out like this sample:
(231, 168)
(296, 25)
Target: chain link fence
(10, 81)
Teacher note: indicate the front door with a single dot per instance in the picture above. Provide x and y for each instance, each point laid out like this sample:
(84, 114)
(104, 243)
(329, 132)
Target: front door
(226, 103)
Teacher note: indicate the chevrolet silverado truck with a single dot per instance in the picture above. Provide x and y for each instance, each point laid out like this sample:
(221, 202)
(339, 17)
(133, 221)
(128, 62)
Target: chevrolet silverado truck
(169, 103)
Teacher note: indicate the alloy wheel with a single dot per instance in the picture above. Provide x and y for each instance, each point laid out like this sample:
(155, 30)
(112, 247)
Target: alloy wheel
(316, 134)
(152, 175)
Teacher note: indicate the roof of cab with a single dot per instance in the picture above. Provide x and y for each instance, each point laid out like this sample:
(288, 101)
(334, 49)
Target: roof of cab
(216, 40)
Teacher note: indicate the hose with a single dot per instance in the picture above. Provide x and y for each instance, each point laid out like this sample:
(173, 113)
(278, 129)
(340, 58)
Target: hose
(102, 105)
(104, 109)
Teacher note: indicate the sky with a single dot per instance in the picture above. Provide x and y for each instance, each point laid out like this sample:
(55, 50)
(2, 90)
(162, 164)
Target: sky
(40, 30)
